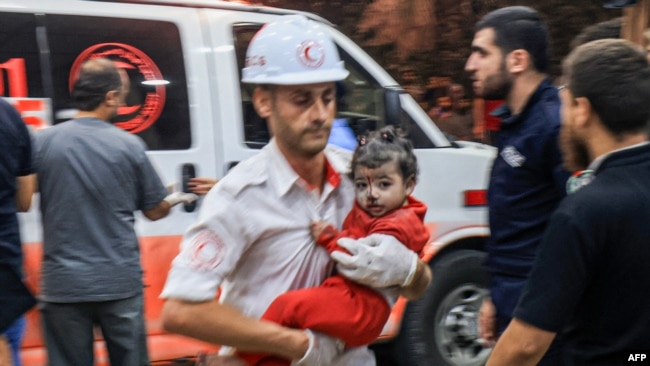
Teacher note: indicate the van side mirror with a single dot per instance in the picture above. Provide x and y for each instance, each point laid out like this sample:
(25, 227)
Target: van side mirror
(393, 106)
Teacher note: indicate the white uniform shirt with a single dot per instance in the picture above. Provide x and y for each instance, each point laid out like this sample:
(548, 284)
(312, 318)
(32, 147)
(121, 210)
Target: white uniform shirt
(252, 237)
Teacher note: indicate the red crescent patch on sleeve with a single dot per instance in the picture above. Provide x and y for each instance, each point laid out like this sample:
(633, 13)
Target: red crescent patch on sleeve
(207, 251)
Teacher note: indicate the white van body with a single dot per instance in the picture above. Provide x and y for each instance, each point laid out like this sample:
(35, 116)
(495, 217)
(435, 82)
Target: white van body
(202, 117)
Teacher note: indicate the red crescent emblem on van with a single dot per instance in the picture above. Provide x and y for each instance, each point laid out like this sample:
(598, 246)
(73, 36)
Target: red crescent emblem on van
(207, 251)
(311, 54)
(145, 103)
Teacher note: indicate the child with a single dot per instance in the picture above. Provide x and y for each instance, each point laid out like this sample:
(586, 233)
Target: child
(384, 171)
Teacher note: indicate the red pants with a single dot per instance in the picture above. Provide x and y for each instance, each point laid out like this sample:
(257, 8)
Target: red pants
(340, 308)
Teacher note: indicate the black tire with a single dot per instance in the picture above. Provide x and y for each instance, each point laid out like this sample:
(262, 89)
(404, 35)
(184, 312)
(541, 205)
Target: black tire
(441, 328)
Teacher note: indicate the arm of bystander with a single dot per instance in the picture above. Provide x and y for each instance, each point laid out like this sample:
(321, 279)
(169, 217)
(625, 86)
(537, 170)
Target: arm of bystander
(521, 344)
(164, 207)
(24, 192)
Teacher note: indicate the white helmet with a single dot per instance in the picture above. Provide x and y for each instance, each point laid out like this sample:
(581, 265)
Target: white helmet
(292, 50)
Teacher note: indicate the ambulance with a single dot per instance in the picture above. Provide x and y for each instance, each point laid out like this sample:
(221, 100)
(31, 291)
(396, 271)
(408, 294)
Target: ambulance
(184, 61)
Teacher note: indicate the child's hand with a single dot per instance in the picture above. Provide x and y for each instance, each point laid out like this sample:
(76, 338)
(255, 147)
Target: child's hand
(316, 228)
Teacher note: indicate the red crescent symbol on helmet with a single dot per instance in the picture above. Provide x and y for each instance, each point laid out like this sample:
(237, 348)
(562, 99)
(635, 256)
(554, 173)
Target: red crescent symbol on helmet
(307, 55)
(310, 54)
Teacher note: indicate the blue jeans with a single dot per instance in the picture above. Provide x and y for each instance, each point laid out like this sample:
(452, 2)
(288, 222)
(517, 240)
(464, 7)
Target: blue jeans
(69, 336)
(14, 335)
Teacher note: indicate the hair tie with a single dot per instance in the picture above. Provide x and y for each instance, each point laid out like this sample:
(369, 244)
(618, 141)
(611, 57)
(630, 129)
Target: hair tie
(386, 137)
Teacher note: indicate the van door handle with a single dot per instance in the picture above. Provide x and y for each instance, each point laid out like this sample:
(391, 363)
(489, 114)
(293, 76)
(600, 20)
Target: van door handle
(188, 172)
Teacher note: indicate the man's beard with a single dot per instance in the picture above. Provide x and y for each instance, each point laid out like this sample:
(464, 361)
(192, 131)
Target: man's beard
(299, 141)
(497, 87)
(575, 156)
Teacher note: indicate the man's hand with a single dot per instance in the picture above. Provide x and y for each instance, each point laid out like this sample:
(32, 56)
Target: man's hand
(322, 350)
(377, 261)
(487, 322)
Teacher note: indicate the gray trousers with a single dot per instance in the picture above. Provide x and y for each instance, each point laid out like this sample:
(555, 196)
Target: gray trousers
(69, 332)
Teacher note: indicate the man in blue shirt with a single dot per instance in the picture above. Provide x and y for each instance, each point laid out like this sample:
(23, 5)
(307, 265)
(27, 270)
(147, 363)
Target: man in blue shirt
(509, 61)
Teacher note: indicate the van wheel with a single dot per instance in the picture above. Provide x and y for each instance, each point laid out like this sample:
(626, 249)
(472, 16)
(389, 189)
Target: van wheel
(441, 328)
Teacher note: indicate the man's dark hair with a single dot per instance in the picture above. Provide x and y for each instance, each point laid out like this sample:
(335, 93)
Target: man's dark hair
(614, 75)
(96, 78)
(520, 27)
(603, 30)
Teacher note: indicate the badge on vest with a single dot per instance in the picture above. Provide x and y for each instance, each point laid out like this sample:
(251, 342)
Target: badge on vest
(578, 180)
(512, 156)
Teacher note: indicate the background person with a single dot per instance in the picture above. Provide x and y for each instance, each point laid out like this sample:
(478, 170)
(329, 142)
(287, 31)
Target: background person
(16, 190)
(411, 84)
(253, 240)
(603, 30)
(435, 88)
(509, 62)
(441, 110)
(456, 118)
(92, 176)
(595, 251)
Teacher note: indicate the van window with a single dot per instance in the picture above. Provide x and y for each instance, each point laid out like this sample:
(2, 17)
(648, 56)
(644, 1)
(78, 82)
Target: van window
(52, 47)
(360, 99)
(256, 133)
(362, 105)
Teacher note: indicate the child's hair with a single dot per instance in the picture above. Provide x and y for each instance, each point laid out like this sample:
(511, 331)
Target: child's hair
(383, 146)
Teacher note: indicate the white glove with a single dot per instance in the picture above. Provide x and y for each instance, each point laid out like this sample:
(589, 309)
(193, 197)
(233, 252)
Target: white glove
(322, 350)
(180, 197)
(377, 261)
